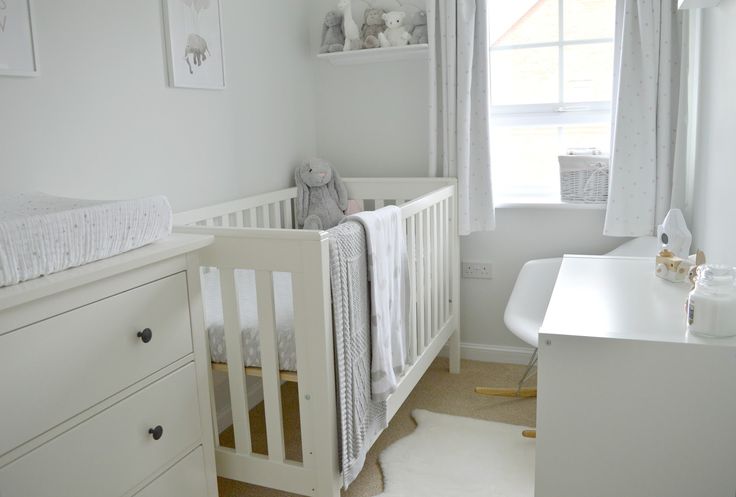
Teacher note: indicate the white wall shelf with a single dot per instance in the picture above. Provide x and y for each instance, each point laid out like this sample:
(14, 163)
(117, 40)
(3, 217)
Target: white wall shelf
(697, 4)
(370, 55)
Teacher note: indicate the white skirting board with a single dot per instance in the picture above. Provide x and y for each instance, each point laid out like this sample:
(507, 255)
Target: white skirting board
(492, 353)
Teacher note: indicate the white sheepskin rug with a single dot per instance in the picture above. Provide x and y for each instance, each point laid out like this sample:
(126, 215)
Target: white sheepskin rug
(450, 456)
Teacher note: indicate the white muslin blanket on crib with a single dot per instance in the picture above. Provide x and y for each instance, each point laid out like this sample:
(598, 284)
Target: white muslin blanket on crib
(387, 269)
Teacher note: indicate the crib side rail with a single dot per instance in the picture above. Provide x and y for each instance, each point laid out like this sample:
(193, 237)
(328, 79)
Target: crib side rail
(276, 209)
(433, 260)
(304, 254)
(430, 235)
(268, 210)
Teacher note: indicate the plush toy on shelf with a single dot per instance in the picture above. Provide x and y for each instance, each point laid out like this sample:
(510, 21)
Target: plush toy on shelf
(333, 38)
(396, 34)
(322, 197)
(419, 33)
(352, 33)
(373, 26)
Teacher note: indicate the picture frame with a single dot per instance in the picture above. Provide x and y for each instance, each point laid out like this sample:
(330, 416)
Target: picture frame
(18, 48)
(195, 44)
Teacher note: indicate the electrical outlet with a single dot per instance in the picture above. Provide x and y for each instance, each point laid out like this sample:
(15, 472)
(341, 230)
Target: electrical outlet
(482, 270)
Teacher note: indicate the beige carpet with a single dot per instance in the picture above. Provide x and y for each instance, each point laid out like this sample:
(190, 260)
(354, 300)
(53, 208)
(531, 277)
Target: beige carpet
(438, 391)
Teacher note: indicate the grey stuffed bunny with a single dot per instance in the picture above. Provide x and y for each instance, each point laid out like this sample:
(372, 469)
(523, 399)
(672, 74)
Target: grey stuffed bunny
(333, 38)
(322, 197)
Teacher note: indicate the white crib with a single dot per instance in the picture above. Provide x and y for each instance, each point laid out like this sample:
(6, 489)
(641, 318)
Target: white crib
(258, 233)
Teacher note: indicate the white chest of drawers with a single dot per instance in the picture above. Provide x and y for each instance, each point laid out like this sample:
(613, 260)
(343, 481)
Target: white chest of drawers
(100, 394)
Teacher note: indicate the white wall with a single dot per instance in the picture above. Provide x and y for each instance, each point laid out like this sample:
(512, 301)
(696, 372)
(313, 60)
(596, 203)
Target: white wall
(714, 208)
(521, 234)
(373, 121)
(371, 118)
(100, 120)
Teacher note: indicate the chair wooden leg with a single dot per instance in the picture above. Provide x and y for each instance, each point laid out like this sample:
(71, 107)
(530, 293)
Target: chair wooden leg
(506, 392)
(529, 433)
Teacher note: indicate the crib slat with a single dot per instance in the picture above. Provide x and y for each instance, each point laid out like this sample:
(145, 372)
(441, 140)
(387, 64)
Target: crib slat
(239, 219)
(252, 218)
(435, 270)
(266, 216)
(412, 261)
(236, 378)
(379, 203)
(287, 214)
(421, 330)
(441, 257)
(449, 256)
(270, 366)
(276, 214)
(427, 278)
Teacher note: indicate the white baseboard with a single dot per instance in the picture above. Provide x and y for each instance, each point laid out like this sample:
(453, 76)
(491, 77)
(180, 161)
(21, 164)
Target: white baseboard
(492, 353)
(225, 413)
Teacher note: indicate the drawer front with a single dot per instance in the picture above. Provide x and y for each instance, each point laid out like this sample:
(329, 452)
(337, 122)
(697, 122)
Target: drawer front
(112, 452)
(186, 479)
(54, 369)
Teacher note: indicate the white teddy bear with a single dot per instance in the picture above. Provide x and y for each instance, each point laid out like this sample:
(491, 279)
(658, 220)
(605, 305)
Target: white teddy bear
(396, 34)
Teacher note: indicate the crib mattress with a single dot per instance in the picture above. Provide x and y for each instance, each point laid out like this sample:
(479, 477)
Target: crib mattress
(42, 234)
(248, 307)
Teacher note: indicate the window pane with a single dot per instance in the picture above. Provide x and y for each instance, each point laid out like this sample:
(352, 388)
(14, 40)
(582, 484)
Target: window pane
(524, 76)
(588, 72)
(524, 21)
(524, 158)
(587, 136)
(588, 19)
(524, 162)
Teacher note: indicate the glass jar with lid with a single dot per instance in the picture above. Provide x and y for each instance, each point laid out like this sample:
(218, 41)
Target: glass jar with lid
(711, 306)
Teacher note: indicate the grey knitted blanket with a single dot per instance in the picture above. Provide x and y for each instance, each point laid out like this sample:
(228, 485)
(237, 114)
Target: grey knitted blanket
(360, 419)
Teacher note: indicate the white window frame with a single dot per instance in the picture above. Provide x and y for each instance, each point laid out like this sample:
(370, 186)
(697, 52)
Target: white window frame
(553, 113)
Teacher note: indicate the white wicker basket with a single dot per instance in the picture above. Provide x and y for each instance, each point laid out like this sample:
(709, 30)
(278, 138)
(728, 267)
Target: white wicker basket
(584, 178)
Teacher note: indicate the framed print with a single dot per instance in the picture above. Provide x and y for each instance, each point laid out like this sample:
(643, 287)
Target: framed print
(17, 39)
(194, 43)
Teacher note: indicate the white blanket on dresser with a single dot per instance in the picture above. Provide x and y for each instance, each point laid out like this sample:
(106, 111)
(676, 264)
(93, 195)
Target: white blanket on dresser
(42, 234)
(387, 269)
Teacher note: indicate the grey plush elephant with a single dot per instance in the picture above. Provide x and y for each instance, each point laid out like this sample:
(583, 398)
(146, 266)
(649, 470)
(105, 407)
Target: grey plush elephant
(322, 197)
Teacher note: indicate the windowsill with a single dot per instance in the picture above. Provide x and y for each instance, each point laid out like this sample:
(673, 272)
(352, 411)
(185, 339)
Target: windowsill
(547, 205)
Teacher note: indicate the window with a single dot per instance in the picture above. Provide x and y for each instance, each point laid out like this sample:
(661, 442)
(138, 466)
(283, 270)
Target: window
(551, 85)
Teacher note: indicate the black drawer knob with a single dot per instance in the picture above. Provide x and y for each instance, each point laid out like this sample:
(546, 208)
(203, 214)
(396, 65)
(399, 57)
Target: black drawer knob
(156, 432)
(145, 335)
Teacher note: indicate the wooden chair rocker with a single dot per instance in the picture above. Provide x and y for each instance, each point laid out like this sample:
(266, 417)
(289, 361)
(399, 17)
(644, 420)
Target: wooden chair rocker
(524, 316)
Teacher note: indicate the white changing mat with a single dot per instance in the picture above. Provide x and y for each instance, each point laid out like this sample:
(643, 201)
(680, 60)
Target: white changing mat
(251, 337)
(43, 234)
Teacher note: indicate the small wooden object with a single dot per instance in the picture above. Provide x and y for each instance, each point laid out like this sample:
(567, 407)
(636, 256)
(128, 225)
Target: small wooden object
(670, 267)
(507, 392)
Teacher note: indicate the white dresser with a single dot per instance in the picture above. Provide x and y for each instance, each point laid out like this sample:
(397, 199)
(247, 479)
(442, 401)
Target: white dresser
(629, 403)
(100, 394)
